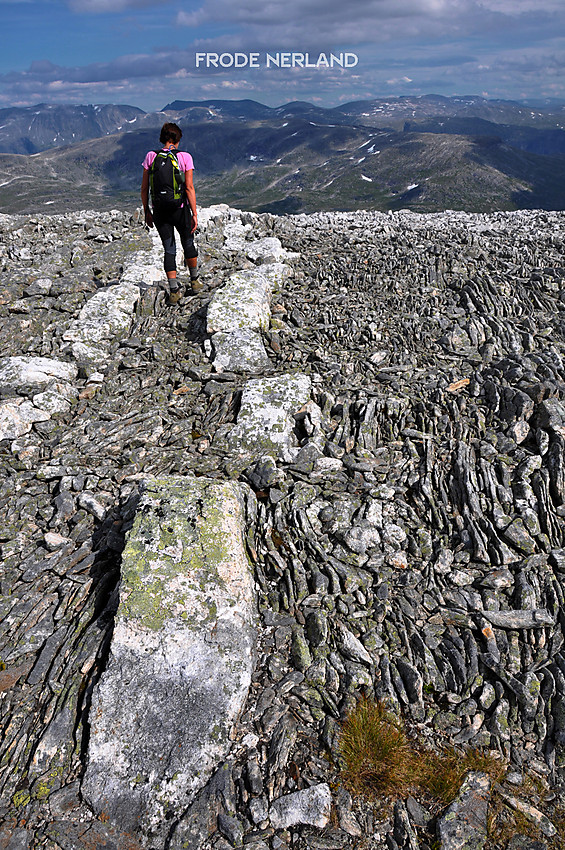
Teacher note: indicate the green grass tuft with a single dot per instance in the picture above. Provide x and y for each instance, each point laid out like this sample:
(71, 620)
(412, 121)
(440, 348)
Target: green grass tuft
(377, 754)
(380, 759)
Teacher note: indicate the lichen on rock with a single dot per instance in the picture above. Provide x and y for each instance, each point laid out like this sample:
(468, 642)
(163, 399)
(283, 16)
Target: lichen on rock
(265, 422)
(181, 657)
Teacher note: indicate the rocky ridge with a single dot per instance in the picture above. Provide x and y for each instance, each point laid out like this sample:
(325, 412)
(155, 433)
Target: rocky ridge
(406, 537)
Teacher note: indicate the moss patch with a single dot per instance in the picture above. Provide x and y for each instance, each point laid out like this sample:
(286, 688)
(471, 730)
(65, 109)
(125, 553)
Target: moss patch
(178, 540)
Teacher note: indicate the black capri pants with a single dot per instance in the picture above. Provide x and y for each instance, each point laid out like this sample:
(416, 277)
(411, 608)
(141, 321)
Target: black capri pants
(166, 220)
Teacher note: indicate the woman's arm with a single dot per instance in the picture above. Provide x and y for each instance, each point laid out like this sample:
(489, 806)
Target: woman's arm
(191, 196)
(145, 197)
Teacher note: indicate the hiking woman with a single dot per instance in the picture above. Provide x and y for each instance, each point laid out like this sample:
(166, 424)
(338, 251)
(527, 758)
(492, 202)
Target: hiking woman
(168, 174)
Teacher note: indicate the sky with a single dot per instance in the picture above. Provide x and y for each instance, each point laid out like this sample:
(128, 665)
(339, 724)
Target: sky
(147, 53)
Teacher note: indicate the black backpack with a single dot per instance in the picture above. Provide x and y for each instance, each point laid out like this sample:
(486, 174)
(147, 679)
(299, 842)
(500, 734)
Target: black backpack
(166, 179)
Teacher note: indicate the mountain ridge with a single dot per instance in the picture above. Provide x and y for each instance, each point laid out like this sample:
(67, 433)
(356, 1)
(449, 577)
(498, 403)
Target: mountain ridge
(380, 154)
(94, 120)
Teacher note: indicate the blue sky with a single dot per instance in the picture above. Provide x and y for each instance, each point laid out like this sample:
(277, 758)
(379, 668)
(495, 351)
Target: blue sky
(144, 53)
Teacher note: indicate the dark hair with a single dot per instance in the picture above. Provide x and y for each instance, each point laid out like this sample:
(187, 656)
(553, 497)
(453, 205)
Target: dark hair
(170, 133)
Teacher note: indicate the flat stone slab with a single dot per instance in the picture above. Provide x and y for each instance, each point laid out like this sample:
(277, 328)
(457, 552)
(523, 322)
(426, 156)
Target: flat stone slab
(244, 302)
(239, 351)
(181, 658)
(104, 316)
(235, 233)
(269, 246)
(56, 397)
(464, 824)
(33, 372)
(265, 422)
(146, 266)
(551, 414)
(238, 313)
(211, 214)
(312, 807)
(17, 418)
(277, 272)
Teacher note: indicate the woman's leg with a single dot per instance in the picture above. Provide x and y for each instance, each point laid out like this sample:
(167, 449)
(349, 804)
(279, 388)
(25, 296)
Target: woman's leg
(166, 230)
(183, 223)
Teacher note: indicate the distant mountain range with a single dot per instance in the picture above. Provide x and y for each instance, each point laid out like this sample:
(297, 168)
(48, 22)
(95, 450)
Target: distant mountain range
(424, 153)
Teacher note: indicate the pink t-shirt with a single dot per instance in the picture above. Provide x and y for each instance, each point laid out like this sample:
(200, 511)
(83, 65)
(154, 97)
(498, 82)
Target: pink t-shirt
(185, 160)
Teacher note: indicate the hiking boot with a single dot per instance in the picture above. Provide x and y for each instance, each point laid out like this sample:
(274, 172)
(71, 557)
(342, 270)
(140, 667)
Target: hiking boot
(175, 296)
(195, 286)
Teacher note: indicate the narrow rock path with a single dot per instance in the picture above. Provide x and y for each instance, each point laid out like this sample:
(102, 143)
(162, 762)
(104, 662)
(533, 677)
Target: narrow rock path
(406, 540)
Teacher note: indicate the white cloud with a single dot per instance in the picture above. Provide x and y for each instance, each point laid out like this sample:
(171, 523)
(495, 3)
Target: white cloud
(327, 24)
(404, 47)
(96, 7)
(312, 19)
(520, 7)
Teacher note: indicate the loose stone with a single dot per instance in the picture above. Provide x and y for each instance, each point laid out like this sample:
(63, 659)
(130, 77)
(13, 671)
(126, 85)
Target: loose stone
(311, 807)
